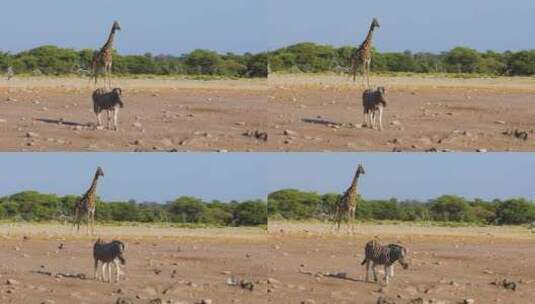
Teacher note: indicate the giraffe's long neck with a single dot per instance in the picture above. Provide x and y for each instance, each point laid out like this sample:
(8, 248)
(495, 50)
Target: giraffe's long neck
(92, 190)
(354, 184)
(109, 42)
(369, 39)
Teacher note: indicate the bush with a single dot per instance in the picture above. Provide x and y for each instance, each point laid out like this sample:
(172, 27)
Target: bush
(35, 206)
(51, 60)
(315, 58)
(293, 204)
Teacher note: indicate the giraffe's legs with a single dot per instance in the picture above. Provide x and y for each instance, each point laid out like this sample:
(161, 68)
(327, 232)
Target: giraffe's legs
(352, 219)
(368, 68)
(88, 221)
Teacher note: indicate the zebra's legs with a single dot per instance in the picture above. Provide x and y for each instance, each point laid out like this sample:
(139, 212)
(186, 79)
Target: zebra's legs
(99, 120)
(387, 273)
(118, 269)
(374, 272)
(104, 271)
(380, 118)
(115, 115)
(108, 119)
(96, 277)
(392, 270)
(368, 269)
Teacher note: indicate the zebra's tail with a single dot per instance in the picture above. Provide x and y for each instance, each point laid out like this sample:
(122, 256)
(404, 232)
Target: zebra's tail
(364, 261)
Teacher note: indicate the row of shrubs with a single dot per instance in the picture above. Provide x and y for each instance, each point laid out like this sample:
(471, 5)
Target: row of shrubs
(35, 206)
(291, 204)
(316, 58)
(302, 57)
(52, 60)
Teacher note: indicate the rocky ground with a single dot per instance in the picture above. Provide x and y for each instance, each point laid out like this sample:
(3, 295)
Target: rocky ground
(46, 264)
(310, 264)
(55, 114)
(324, 113)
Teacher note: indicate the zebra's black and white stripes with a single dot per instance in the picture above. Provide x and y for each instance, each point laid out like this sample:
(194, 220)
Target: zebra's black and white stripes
(377, 254)
(373, 103)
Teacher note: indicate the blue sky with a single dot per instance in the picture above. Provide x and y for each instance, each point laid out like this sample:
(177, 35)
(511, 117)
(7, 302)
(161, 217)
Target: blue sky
(408, 175)
(144, 177)
(162, 177)
(417, 25)
(160, 27)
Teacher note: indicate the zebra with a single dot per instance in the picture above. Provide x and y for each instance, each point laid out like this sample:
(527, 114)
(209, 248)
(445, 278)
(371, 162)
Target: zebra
(373, 103)
(108, 253)
(109, 101)
(376, 254)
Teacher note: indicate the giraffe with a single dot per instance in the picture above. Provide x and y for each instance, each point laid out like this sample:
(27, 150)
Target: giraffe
(347, 205)
(103, 59)
(87, 205)
(363, 54)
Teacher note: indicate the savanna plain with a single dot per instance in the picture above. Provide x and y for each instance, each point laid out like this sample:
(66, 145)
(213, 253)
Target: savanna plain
(431, 113)
(160, 114)
(309, 263)
(45, 263)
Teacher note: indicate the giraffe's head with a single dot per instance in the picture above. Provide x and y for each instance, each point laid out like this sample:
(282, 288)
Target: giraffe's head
(360, 169)
(375, 23)
(99, 172)
(116, 26)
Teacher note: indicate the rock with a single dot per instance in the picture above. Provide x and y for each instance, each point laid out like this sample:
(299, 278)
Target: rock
(395, 123)
(240, 123)
(137, 124)
(166, 142)
(273, 281)
(416, 301)
(138, 142)
(499, 122)
(385, 300)
(308, 301)
(290, 133)
(482, 150)
(469, 301)
(246, 284)
(156, 301)
(206, 301)
(124, 300)
(12, 282)
(31, 135)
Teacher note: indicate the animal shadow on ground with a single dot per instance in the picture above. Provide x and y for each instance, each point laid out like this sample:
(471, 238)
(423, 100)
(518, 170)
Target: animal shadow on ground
(62, 122)
(334, 275)
(321, 121)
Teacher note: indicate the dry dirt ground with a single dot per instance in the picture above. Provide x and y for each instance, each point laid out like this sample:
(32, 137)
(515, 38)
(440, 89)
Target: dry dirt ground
(55, 114)
(175, 265)
(422, 114)
(448, 265)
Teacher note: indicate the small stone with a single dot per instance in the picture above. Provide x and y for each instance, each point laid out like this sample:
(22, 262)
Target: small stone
(482, 150)
(396, 123)
(31, 135)
(12, 282)
(206, 301)
(499, 122)
(137, 124)
(290, 133)
(469, 301)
